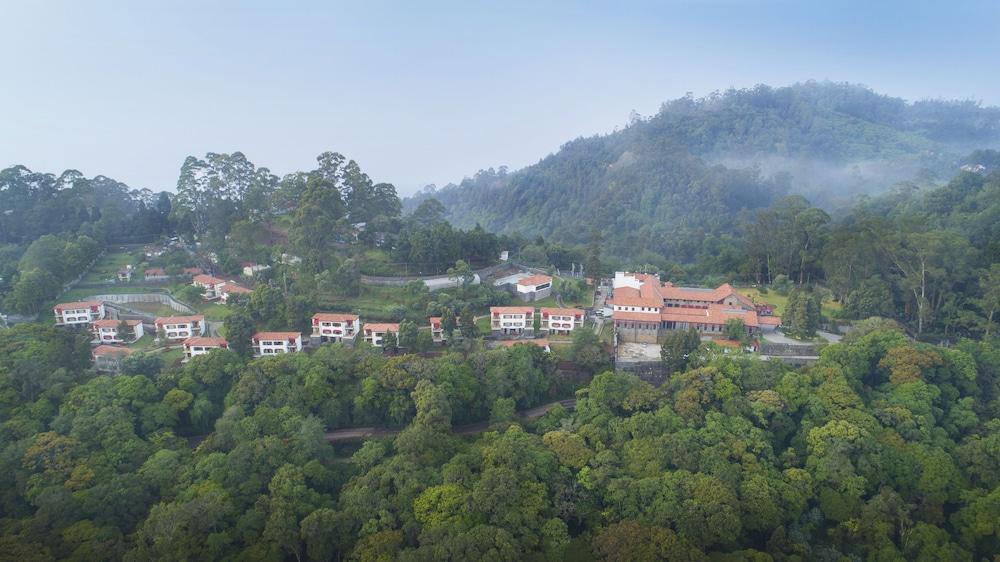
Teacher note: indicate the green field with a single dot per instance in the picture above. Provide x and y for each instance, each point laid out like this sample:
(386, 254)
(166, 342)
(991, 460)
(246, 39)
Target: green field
(374, 303)
(781, 301)
(107, 267)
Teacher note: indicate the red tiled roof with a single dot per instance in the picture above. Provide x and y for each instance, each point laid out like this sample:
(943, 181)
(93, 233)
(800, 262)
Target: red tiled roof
(192, 271)
(110, 350)
(534, 280)
(155, 271)
(204, 279)
(334, 317)
(77, 304)
(636, 316)
(178, 319)
(632, 298)
(276, 336)
(109, 323)
(716, 314)
(234, 288)
(562, 312)
(512, 310)
(206, 341)
(381, 327)
(769, 320)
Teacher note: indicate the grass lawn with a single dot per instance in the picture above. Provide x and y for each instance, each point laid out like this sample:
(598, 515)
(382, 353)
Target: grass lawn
(80, 294)
(108, 265)
(211, 310)
(780, 302)
(483, 324)
(152, 308)
(143, 343)
(172, 356)
(374, 303)
(586, 299)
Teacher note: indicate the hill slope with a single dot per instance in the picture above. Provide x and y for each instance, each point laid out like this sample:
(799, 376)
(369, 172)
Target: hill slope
(676, 183)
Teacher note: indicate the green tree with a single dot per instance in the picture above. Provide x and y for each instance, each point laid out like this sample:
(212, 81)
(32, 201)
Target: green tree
(390, 344)
(448, 322)
(677, 347)
(468, 325)
(239, 331)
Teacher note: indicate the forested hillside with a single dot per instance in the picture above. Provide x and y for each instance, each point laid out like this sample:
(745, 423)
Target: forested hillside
(883, 450)
(660, 185)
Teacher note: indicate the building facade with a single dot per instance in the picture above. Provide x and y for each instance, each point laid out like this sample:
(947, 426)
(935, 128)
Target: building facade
(276, 343)
(80, 313)
(335, 327)
(180, 327)
(644, 310)
(560, 320)
(534, 288)
(107, 331)
(375, 332)
(193, 347)
(512, 320)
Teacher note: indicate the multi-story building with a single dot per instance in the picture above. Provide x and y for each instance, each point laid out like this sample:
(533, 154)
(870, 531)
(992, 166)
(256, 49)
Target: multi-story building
(375, 332)
(108, 358)
(196, 346)
(335, 327)
(533, 288)
(644, 309)
(275, 343)
(79, 313)
(180, 327)
(437, 330)
(560, 320)
(107, 331)
(512, 320)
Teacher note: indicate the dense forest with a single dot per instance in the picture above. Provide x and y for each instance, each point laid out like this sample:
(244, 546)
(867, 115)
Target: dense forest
(884, 449)
(675, 183)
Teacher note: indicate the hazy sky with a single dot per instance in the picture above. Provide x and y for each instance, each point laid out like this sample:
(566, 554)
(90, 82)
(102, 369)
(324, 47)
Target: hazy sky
(429, 92)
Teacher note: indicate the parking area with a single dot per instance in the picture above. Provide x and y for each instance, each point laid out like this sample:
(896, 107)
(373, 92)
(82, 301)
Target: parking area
(638, 352)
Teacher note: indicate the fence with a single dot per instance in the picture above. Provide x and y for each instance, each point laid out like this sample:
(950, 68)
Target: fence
(159, 298)
(431, 280)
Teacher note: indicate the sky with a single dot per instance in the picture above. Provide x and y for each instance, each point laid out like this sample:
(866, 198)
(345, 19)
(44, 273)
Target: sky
(430, 92)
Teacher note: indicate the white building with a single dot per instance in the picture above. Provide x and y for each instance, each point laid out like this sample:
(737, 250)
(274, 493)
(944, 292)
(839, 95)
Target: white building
(79, 313)
(251, 268)
(211, 286)
(375, 333)
(512, 320)
(194, 347)
(229, 289)
(560, 320)
(276, 343)
(180, 327)
(334, 327)
(106, 331)
(534, 288)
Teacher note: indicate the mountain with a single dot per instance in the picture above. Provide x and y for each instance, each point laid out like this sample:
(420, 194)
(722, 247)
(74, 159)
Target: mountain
(677, 183)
